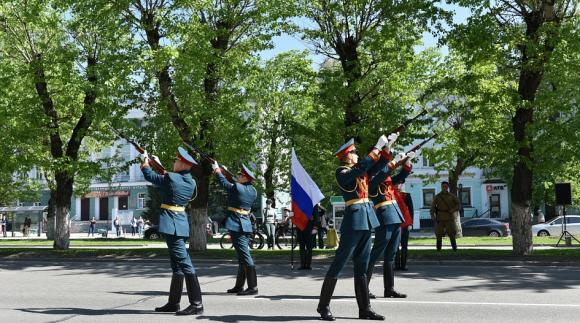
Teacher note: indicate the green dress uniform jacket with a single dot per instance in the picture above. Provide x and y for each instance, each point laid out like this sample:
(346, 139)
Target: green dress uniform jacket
(176, 189)
(241, 197)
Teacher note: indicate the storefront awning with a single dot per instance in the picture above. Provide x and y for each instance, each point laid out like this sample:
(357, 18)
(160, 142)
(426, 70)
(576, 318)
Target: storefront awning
(105, 194)
(16, 209)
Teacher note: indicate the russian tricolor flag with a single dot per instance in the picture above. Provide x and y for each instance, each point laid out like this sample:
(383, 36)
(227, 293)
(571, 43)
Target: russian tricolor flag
(305, 194)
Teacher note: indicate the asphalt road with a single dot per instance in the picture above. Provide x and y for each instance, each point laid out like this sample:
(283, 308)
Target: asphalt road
(42, 291)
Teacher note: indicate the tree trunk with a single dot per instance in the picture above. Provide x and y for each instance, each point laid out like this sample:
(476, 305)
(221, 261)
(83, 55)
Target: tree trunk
(522, 182)
(199, 208)
(351, 67)
(64, 191)
(51, 217)
(62, 232)
(521, 229)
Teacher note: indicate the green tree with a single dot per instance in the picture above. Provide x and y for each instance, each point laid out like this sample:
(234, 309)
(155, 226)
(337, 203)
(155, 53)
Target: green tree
(374, 43)
(64, 73)
(198, 54)
(522, 38)
(283, 93)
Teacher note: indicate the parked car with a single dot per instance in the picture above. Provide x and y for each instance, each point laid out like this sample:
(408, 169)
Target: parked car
(554, 226)
(485, 227)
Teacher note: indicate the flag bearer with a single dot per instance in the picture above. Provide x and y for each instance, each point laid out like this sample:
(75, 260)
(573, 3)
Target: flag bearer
(358, 221)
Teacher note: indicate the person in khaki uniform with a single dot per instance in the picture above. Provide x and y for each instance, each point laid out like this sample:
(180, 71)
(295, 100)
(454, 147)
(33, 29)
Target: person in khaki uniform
(443, 211)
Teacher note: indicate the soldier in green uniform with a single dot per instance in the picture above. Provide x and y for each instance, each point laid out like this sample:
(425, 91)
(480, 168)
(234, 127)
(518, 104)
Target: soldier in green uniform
(176, 189)
(241, 197)
(358, 221)
(388, 234)
(443, 210)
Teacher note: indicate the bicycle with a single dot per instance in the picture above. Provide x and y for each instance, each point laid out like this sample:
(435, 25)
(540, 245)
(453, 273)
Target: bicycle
(285, 237)
(256, 241)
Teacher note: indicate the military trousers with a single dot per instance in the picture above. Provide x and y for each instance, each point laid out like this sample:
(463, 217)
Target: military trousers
(404, 238)
(241, 243)
(442, 227)
(387, 239)
(355, 244)
(180, 261)
(306, 242)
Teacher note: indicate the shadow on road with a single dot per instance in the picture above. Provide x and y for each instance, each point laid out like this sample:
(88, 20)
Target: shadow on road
(539, 279)
(477, 278)
(84, 311)
(253, 318)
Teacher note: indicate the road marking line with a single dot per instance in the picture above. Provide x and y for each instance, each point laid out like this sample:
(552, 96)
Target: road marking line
(415, 302)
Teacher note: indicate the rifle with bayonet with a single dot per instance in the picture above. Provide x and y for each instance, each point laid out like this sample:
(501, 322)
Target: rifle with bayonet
(207, 157)
(408, 122)
(419, 145)
(156, 165)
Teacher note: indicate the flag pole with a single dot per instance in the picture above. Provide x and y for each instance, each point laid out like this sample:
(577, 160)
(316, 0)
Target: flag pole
(291, 245)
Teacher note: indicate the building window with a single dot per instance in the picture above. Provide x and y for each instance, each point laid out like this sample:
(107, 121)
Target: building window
(141, 200)
(466, 196)
(428, 196)
(426, 162)
(123, 202)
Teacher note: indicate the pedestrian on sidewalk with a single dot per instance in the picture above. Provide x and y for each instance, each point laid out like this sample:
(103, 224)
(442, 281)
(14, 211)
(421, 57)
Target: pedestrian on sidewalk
(322, 226)
(176, 189)
(443, 211)
(140, 225)
(133, 226)
(3, 222)
(92, 226)
(270, 221)
(117, 224)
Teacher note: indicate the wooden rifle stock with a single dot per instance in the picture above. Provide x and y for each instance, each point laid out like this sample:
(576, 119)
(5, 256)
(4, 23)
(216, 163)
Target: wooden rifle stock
(207, 157)
(157, 167)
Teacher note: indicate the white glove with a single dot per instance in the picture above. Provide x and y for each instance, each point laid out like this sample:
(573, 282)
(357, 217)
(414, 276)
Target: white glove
(391, 139)
(155, 158)
(314, 231)
(215, 166)
(410, 155)
(143, 156)
(398, 158)
(381, 142)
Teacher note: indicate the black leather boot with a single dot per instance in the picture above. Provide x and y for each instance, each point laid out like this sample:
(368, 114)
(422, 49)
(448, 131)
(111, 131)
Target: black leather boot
(361, 291)
(325, 296)
(389, 279)
(439, 243)
(369, 276)
(398, 259)
(453, 243)
(175, 290)
(240, 280)
(194, 295)
(252, 281)
(404, 259)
